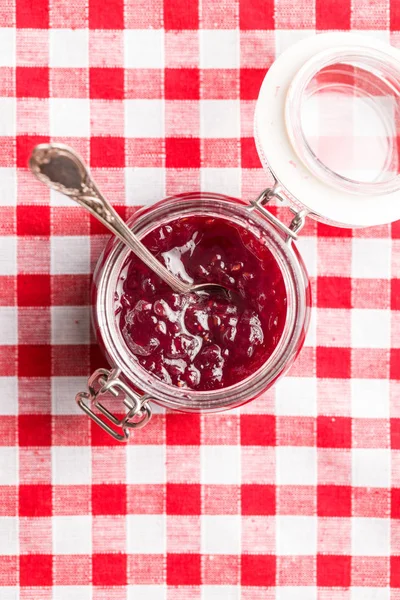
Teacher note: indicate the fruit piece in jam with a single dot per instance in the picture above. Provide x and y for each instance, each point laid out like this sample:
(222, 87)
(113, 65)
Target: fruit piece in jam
(202, 341)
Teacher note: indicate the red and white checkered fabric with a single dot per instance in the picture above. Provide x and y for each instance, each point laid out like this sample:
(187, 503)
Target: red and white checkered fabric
(297, 495)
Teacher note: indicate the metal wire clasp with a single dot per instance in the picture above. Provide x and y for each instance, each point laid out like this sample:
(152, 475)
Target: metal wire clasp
(298, 220)
(139, 410)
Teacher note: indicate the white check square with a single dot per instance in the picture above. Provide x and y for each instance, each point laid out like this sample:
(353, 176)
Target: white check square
(146, 534)
(370, 593)
(8, 255)
(7, 47)
(371, 258)
(296, 465)
(8, 535)
(70, 117)
(144, 185)
(221, 180)
(147, 592)
(69, 48)
(10, 593)
(8, 116)
(64, 465)
(370, 398)
(70, 325)
(370, 328)
(220, 534)
(144, 48)
(296, 396)
(77, 592)
(69, 255)
(370, 537)
(220, 592)
(144, 118)
(8, 465)
(63, 391)
(296, 593)
(8, 396)
(220, 118)
(296, 535)
(370, 467)
(220, 464)
(8, 325)
(145, 464)
(72, 534)
(307, 246)
(8, 186)
(219, 49)
(284, 38)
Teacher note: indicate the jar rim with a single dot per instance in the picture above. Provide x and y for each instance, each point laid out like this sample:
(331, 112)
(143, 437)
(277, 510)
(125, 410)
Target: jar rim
(184, 399)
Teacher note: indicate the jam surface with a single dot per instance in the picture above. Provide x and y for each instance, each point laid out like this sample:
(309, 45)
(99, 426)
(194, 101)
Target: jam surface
(202, 341)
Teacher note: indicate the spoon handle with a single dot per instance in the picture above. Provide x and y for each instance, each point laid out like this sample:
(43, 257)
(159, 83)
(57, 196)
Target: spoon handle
(62, 169)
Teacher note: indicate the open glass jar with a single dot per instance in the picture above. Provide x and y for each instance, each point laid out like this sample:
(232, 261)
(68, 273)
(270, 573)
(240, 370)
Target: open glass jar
(326, 126)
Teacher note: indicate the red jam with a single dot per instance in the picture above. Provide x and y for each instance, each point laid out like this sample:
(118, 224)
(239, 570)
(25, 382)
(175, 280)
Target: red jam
(203, 341)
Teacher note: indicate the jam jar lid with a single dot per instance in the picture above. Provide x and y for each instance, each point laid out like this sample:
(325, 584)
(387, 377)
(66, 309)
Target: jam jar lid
(327, 122)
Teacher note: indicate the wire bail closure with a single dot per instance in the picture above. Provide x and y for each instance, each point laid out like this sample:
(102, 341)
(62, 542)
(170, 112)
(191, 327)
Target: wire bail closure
(297, 222)
(139, 410)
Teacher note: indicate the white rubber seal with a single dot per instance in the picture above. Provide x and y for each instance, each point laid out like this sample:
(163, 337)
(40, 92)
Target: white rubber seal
(276, 152)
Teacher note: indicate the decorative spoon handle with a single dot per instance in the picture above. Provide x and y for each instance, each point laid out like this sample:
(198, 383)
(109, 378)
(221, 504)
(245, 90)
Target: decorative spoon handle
(62, 169)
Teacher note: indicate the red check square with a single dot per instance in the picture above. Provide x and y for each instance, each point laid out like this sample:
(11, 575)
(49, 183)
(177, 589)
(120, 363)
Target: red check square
(334, 292)
(183, 569)
(32, 15)
(258, 430)
(395, 434)
(183, 430)
(182, 84)
(332, 14)
(34, 361)
(395, 571)
(109, 569)
(34, 430)
(106, 83)
(36, 570)
(249, 155)
(333, 571)
(107, 152)
(102, 16)
(334, 432)
(180, 14)
(109, 499)
(35, 500)
(395, 503)
(182, 153)
(257, 14)
(333, 362)
(33, 290)
(33, 220)
(250, 83)
(183, 499)
(258, 570)
(258, 499)
(334, 501)
(32, 82)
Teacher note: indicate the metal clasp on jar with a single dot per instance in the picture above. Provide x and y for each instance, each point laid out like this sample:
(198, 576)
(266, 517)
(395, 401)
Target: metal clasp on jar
(100, 383)
(298, 220)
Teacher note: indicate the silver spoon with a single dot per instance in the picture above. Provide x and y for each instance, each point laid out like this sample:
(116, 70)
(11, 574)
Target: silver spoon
(63, 170)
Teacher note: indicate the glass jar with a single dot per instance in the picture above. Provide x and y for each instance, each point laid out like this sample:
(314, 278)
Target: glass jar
(316, 101)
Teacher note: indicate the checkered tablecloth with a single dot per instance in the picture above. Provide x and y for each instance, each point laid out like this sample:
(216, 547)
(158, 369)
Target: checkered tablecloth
(297, 495)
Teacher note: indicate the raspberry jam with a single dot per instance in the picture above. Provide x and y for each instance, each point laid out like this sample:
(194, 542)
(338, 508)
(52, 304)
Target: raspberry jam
(202, 341)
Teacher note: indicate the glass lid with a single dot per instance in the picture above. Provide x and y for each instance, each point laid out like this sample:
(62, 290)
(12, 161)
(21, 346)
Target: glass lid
(327, 121)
